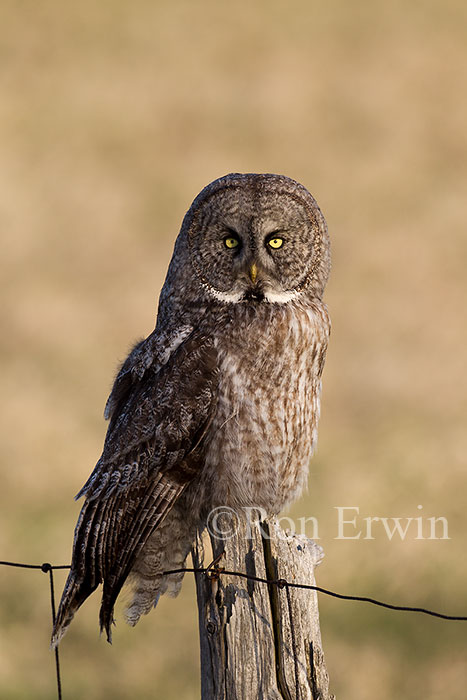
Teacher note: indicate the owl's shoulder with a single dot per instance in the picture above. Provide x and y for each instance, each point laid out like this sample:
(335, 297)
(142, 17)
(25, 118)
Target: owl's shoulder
(148, 354)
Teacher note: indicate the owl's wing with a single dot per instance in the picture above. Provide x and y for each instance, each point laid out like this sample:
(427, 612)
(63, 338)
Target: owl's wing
(151, 452)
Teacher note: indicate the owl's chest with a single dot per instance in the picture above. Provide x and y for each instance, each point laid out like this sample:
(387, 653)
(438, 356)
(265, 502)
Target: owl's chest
(268, 406)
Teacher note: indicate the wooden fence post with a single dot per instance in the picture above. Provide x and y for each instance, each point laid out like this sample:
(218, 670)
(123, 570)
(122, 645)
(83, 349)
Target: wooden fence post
(259, 640)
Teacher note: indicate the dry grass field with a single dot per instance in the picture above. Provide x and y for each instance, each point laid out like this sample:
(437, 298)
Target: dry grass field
(113, 115)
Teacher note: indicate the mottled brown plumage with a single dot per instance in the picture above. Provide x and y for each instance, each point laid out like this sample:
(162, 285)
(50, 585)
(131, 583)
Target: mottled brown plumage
(220, 404)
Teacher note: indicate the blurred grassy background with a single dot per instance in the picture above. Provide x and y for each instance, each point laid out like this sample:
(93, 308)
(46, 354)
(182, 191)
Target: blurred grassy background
(113, 115)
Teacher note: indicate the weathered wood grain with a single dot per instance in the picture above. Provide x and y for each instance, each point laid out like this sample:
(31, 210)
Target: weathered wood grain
(249, 649)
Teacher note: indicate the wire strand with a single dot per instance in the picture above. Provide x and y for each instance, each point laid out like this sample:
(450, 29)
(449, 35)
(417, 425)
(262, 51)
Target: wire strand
(280, 582)
(50, 569)
(46, 568)
(325, 591)
(33, 566)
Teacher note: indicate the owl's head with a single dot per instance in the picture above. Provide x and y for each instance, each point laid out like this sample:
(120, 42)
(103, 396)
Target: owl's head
(257, 239)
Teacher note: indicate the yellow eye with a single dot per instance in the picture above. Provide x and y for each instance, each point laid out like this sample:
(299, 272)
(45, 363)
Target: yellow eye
(275, 242)
(231, 242)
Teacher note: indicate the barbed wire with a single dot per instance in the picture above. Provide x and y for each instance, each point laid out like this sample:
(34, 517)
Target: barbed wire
(214, 570)
(46, 568)
(363, 599)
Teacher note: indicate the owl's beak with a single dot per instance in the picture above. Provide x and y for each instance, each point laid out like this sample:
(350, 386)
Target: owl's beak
(255, 293)
(253, 272)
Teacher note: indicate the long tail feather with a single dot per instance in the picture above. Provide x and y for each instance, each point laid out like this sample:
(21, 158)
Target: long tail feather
(73, 597)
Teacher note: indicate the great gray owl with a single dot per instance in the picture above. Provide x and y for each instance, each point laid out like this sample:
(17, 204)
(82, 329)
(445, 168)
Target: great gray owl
(219, 405)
